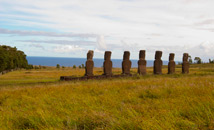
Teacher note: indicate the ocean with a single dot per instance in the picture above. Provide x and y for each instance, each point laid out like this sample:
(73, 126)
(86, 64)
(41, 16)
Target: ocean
(69, 62)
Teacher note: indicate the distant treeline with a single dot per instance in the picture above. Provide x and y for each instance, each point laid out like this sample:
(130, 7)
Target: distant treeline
(11, 58)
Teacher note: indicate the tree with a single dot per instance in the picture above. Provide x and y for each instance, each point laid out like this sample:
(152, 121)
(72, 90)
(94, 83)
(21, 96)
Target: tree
(83, 66)
(80, 67)
(198, 60)
(211, 61)
(11, 58)
(179, 63)
(190, 59)
(57, 66)
(3, 59)
(74, 67)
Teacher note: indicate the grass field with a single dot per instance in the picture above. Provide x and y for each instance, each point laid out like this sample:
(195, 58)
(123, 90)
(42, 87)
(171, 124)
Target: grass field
(36, 99)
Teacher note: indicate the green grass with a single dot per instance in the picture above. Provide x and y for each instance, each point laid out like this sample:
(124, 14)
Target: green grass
(36, 99)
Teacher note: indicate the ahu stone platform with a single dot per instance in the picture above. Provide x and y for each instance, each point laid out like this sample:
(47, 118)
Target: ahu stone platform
(72, 78)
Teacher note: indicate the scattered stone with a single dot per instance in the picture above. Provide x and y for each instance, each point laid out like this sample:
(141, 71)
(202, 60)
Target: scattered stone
(89, 65)
(126, 64)
(142, 63)
(171, 64)
(158, 63)
(4, 72)
(107, 65)
(185, 64)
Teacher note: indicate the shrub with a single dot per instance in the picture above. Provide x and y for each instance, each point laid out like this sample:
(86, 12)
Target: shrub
(29, 67)
(211, 61)
(74, 67)
(57, 66)
(198, 60)
(83, 66)
(36, 67)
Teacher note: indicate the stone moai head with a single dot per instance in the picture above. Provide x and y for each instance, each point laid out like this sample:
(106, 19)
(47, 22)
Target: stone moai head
(158, 55)
(142, 54)
(126, 55)
(90, 55)
(185, 56)
(171, 56)
(107, 55)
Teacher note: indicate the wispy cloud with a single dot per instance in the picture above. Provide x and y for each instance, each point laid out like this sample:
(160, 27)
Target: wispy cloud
(61, 42)
(67, 49)
(101, 43)
(37, 46)
(43, 33)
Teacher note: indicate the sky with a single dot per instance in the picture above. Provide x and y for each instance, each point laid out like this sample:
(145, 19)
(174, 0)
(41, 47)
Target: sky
(69, 28)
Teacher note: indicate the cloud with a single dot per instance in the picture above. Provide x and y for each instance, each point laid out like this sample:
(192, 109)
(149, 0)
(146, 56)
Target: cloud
(129, 46)
(207, 29)
(206, 22)
(171, 25)
(203, 50)
(37, 46)
(101, 52)
(101, 42)
(43, 33)
(67, 49)
(61, 42)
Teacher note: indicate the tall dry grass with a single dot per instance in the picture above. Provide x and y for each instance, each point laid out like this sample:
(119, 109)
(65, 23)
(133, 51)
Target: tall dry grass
(142, 102)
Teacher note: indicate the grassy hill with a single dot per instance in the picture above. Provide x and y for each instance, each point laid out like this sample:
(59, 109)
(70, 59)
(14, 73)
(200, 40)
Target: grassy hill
(36, 99)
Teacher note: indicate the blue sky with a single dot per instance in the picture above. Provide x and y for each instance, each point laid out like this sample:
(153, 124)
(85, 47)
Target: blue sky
(70, 28)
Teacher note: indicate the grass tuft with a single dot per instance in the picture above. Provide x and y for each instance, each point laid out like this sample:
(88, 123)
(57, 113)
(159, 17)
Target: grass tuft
(25, 123)
(149, 94)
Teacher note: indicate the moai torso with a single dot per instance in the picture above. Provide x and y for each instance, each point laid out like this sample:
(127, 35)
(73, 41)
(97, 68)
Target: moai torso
(142, 62)
(107, 65)
(89, 65)
(185, 64)
(171, 64)
(158, 63)
(126, 64)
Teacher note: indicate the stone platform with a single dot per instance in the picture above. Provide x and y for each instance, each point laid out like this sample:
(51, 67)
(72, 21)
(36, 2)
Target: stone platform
(72, 78)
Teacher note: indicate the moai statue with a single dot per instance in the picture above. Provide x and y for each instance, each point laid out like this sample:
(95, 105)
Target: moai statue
(107, 65)
(158, 63)
(171, 64)
(185, 64)
(89, 64)
(126, 64)
(142, 62)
